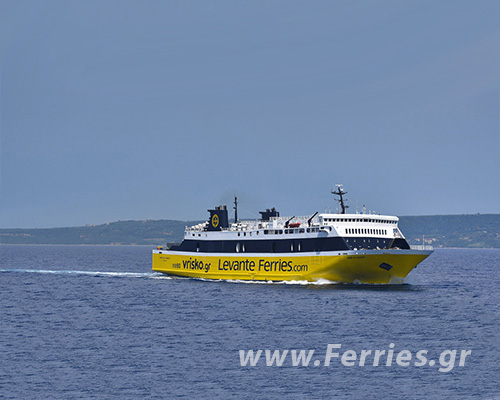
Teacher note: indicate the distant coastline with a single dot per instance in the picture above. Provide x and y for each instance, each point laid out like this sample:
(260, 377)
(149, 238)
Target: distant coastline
(462, 231)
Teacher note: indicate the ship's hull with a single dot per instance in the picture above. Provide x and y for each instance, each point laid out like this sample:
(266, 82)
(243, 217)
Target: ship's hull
(370, 266)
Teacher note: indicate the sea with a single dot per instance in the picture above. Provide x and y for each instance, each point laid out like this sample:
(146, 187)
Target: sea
(94, 322)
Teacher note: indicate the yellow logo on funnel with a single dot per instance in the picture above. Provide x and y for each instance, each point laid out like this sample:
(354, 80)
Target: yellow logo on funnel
(215, 220)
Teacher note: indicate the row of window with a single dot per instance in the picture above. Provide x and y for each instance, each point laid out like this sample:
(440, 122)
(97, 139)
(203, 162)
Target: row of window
(278, 231)
(378, 221)
(356, 231)
(289, 231)
(351, 231)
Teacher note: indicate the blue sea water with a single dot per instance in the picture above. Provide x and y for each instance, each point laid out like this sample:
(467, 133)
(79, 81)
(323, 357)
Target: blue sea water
(93, 322)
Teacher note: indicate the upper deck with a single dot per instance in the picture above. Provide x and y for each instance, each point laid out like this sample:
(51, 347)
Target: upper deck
(346, 225)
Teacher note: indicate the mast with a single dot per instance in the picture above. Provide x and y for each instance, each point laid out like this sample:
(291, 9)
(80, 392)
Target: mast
(235, 210)
(340, 192)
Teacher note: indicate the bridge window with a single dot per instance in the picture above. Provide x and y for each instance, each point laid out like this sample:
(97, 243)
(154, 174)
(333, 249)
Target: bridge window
(237, 247)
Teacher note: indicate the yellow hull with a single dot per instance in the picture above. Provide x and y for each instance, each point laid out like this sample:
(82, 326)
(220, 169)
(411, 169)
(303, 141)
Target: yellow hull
(371, 266)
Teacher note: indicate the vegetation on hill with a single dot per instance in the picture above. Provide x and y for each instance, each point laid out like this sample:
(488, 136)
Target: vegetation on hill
(147, 232)
(478, 230)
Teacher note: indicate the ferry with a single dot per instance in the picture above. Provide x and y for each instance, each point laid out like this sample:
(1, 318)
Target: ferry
(337, 247)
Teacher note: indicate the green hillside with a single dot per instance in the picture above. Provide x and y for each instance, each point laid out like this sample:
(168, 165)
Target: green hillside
(478, 230)
(439, 230)
(148, 232)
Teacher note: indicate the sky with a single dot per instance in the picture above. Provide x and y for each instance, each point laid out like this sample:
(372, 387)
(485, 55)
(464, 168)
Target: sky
(123, 110)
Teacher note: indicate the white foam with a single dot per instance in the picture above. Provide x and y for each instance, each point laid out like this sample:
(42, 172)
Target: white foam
(162, 276)
(318, 282)
(396, 280)
(91, 273)
(301, 282)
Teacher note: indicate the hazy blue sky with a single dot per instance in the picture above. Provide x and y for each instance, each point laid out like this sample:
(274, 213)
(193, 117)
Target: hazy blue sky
(114, 110)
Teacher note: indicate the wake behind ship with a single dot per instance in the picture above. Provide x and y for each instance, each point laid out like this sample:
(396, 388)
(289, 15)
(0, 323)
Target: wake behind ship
(340, 247)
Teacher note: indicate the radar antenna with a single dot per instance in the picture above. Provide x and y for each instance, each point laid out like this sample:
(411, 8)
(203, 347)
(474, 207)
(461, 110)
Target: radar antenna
(340, 192)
